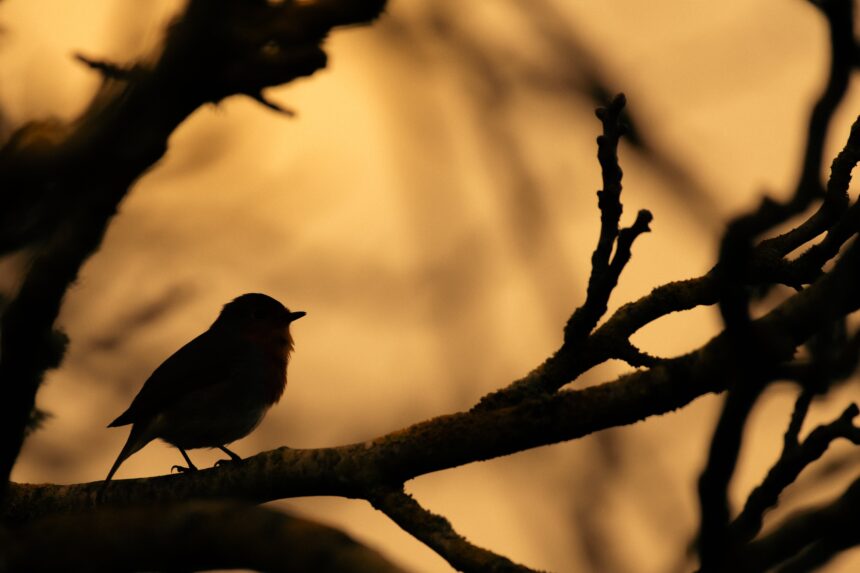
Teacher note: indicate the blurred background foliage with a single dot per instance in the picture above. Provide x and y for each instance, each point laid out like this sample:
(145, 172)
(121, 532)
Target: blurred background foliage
(432, 208)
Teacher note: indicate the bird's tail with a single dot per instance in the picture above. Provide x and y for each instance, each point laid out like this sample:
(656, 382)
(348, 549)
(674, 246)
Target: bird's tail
(136, 440)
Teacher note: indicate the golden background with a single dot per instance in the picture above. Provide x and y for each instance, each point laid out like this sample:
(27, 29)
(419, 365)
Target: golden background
(432, 209)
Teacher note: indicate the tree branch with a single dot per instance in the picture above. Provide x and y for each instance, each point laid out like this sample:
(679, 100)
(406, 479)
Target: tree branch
(575, 355)
(810, 529)
(601, 282)
(437, 533)
(187, 537)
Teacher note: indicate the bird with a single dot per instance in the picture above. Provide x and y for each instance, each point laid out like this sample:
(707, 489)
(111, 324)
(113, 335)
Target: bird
(217, 388)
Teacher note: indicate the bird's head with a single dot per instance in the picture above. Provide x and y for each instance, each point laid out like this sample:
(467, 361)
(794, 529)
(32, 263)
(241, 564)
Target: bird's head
(258, 315)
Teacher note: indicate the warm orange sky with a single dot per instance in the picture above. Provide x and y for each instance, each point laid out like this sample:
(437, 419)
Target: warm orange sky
(434, 214)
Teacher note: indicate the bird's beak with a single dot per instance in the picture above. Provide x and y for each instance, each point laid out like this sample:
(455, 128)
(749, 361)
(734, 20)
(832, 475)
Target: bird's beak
(295, 315)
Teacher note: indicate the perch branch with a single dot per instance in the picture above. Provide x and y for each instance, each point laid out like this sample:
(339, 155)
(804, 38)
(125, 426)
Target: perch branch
(479, 434)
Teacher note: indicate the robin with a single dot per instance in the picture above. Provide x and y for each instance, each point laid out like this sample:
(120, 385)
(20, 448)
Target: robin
(217, 388)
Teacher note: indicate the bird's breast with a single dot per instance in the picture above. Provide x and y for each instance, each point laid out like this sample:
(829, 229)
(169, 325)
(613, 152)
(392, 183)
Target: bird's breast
(271, 353)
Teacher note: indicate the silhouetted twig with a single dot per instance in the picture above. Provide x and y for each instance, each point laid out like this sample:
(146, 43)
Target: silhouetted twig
(605, 269)
(574, 356)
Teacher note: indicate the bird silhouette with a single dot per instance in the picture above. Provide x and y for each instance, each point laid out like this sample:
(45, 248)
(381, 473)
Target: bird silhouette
(217, 388)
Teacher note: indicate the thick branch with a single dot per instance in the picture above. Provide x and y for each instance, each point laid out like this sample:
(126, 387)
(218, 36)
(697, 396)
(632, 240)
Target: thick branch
(187, 537)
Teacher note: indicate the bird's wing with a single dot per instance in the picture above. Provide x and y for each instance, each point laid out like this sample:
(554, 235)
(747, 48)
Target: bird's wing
(201, 362)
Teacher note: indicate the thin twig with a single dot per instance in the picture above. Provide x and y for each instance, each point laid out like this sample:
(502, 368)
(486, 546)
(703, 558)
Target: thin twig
(604, 271)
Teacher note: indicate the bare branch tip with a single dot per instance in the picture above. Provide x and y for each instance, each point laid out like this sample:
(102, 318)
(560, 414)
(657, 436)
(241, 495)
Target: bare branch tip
(261, 99)
(644, 217)
(613, 109)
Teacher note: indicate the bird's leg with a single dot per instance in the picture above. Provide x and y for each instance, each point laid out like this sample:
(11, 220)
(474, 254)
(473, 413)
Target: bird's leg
(234, 458)
(181, 469)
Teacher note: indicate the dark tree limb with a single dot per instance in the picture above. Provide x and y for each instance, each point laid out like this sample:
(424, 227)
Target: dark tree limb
(60, 185)
(437, 533)
(187, 537)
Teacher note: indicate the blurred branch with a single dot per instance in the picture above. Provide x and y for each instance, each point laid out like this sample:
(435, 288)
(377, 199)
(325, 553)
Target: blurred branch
(840, 21)
(812, 536)
(746, 371)
(437, 533)
(60, 185)
(187, 537)
(843, 221)
(107, 69)
(733, 275)
(794, 459)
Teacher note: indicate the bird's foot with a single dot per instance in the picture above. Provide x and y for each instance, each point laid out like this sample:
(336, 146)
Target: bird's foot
(234, 458)
(237, 461)
(183, 469)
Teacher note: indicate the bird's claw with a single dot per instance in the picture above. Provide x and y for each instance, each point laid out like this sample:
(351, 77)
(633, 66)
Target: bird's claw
(183, 469)
(231, 462)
